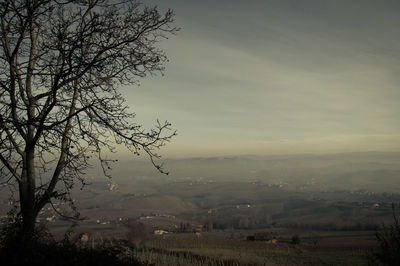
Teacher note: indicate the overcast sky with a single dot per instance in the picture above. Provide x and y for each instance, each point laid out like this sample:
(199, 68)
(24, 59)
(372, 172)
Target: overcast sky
(277, 77)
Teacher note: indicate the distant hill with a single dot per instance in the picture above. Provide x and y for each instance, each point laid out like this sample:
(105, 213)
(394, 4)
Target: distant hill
(248, 191)
(375, 171)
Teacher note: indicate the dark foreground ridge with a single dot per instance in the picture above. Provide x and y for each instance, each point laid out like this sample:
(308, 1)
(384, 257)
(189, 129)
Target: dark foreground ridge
(59, 254)
(43, 250)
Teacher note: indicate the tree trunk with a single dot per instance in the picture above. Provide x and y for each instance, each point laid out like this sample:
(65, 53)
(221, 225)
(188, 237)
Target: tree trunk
(27, 197)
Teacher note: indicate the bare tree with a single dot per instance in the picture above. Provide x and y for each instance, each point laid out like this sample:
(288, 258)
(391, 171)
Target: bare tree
(61, 64)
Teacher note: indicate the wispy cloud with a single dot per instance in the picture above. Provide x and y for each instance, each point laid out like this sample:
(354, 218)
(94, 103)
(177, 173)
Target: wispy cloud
(247, 78)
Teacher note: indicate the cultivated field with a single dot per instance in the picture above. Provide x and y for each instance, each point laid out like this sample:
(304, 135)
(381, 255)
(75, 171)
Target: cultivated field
(232, 248)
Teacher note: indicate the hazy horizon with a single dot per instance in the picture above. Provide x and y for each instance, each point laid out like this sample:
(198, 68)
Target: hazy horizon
(126, 156)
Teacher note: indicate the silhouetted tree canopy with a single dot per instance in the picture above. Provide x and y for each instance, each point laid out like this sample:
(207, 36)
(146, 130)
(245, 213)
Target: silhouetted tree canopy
(61, 65)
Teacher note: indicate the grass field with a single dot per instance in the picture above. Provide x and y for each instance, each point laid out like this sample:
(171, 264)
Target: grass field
(223, 248)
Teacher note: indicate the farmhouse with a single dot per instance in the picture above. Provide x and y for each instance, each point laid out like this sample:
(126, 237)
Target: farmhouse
(160, 232)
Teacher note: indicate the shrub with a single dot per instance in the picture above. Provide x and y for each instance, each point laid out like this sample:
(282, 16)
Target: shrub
(296, 240)
(43, 250)
(388, 252)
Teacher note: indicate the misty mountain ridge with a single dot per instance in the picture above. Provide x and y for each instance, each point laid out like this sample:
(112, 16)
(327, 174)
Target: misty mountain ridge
(372, 171)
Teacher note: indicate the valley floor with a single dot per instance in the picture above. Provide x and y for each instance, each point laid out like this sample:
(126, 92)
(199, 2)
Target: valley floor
(232, 247)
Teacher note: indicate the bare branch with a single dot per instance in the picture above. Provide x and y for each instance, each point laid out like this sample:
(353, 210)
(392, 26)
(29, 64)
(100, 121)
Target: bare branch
(12, 170)
(61, 65)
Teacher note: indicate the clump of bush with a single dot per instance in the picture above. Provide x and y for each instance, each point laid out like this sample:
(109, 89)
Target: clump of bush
(296, 240)
(388, 250)
(43, 250)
